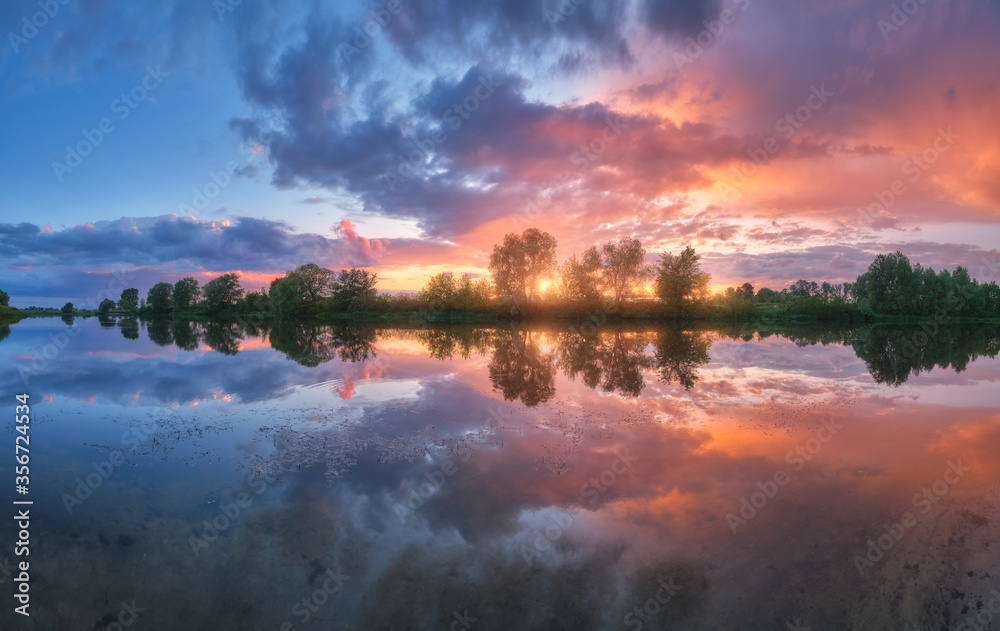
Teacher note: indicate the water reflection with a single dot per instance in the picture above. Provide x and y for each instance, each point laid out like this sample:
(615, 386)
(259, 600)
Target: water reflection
(529, 478)
(892, 354)
(524, 360)
(129, 327)
(160, 332)
(311, 344)
(678, 355)
(223, 337)
(521, 369)
(613, 362)
(185, 334)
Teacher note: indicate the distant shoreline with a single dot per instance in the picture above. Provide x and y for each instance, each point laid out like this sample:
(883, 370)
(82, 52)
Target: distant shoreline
(12, 315)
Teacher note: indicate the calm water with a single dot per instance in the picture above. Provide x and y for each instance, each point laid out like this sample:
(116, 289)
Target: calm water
(189, 476)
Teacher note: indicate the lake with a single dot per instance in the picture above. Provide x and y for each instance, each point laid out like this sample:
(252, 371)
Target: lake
(353, 476)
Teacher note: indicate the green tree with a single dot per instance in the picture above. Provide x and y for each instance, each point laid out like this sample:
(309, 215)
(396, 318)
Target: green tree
(439, 292)
(302, 290)
(129, 302)
(889, 285)
(519, 263)
(222, 293)
(4, 298)
(766, 294)
(991, 299)
(444, 293)
(285, 297)
(679, 279)
(67, 308)
(160, 297)
(354, 290)
(186, 293)
(622, 268)
(580, 278)
(803, 289)
(107, 305)
(254, 302)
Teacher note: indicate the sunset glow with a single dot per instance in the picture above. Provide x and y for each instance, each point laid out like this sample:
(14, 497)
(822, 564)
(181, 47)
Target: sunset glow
(782, 140)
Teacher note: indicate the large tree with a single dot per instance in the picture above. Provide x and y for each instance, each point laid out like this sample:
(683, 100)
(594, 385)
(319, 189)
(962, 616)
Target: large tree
(520, 262)
(222, 293)
(160, 297)
(314, 282)
(622, 268)
(444, 292)
(890, 285)
(745, 292)
(301, 290)
(679, 278)
(68, 308)
(186, 293)
(804, 289)
(107, 305)
(129, 302)
(354, 290)
(440, 292)
(580, 278)
(4, 298)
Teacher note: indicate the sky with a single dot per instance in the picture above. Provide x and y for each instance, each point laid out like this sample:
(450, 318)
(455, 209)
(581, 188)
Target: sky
(782, 139)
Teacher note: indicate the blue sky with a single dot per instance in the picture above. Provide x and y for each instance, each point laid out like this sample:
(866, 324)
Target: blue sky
(620, 117)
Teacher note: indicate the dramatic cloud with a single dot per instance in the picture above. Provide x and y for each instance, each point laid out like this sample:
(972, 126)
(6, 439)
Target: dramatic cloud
(796, 138)
(149, 248)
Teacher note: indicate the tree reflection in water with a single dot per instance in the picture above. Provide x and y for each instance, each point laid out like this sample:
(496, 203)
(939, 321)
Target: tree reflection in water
(311, 344)
(893, 353)
(679, 353)
(610, 360)
(159, 332)
(130, 327)
(613, 359)
(224, 337)
(520, 370)
(186, 335)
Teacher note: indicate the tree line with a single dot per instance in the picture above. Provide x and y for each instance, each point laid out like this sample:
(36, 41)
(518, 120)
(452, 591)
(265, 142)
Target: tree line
(608, 279)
